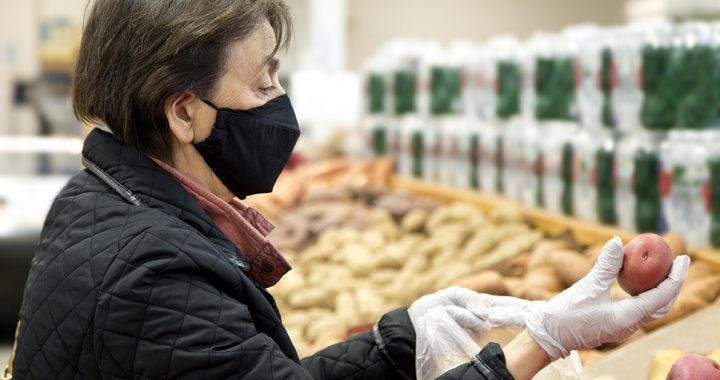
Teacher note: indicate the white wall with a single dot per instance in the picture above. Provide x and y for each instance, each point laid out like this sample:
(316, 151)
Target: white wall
(371, 22)
(19, 37)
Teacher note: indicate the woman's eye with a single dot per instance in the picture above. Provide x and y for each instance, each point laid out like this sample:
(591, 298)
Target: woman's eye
(267, 90)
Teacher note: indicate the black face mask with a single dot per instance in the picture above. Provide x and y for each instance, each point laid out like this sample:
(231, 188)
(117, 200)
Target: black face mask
(248, 149)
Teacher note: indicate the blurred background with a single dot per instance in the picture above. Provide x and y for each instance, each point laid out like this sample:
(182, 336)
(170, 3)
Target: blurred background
(456, 91)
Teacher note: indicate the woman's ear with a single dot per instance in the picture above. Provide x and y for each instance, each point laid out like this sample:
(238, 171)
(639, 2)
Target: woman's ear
(181, 114)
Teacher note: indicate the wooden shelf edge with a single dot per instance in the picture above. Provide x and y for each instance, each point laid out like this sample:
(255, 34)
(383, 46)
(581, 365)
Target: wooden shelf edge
(585, 233)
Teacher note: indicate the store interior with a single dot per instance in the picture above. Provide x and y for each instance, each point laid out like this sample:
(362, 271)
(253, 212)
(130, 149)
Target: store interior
(494, 145)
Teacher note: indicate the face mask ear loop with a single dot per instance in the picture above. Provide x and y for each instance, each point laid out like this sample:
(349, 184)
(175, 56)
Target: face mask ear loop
(209, 103)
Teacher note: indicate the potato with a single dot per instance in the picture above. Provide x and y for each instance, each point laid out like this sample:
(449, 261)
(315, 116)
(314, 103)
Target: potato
(489, 281)
(646, 263)
(693, 367)
(570, 266)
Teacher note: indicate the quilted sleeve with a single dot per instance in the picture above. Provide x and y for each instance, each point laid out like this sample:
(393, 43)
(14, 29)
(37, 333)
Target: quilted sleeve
(489, 364)
(161, 315)
(386, 352)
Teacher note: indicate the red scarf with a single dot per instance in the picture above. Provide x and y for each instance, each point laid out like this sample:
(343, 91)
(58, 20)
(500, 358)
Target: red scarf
(243, 226)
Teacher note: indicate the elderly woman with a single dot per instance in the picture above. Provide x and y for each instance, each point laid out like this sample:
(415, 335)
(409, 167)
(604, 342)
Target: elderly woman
(149, 265)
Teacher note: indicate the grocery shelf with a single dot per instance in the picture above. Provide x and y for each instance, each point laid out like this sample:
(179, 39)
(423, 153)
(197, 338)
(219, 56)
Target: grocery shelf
(584, 233)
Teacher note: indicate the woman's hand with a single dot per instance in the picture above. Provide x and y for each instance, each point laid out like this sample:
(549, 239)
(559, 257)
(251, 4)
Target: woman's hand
(584, 315)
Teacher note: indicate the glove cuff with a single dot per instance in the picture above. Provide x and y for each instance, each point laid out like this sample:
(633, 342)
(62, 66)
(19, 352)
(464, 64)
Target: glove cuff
(538, 332)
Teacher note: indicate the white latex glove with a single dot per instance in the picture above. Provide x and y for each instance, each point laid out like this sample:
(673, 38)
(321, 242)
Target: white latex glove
(448, 322)
(584, 315)
(474, 311)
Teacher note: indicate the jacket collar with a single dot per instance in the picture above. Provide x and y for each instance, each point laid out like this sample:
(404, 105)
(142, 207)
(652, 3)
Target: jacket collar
(142, 182)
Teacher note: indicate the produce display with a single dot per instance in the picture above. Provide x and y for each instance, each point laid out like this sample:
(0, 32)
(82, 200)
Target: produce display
(292, 185)
(359, 249)
(396, 248)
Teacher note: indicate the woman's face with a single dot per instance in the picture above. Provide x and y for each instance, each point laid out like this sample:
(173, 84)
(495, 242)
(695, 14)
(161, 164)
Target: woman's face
(250, 79)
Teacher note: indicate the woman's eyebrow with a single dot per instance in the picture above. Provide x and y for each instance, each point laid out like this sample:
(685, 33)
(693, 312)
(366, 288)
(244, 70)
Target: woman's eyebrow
(270, 60)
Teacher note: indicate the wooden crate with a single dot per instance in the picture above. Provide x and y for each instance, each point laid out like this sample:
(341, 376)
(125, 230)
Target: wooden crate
(584, 233)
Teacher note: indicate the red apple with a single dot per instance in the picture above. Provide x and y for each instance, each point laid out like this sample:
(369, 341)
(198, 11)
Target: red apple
(646, 263)
(694, 367)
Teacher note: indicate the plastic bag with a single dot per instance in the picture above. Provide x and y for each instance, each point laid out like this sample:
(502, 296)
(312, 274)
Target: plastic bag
(442, 345)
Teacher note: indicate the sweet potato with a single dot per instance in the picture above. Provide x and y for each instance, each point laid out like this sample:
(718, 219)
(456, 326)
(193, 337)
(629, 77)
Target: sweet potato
(699, 269)
(676, 242)
(515, 267)
(507, 250)
(570, 266)
(328, 325)
(479, 243)
(345, 308)
(541, 253)
(489, 281)
(537, 294)
(637, 335)
(312, 297)
(414, 220)
(707, 288)
(513, 285)
(684, 305)
(502, 215)
(542, 278)
(589, 356)
(593, 252)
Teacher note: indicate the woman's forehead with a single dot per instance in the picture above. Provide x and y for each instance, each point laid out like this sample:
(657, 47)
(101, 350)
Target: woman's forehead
(249, 56)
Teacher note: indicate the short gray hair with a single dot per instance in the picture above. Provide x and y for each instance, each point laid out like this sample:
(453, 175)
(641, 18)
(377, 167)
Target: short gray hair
(137, 56)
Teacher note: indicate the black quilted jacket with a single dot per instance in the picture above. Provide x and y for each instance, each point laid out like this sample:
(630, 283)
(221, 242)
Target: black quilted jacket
(133, 280)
